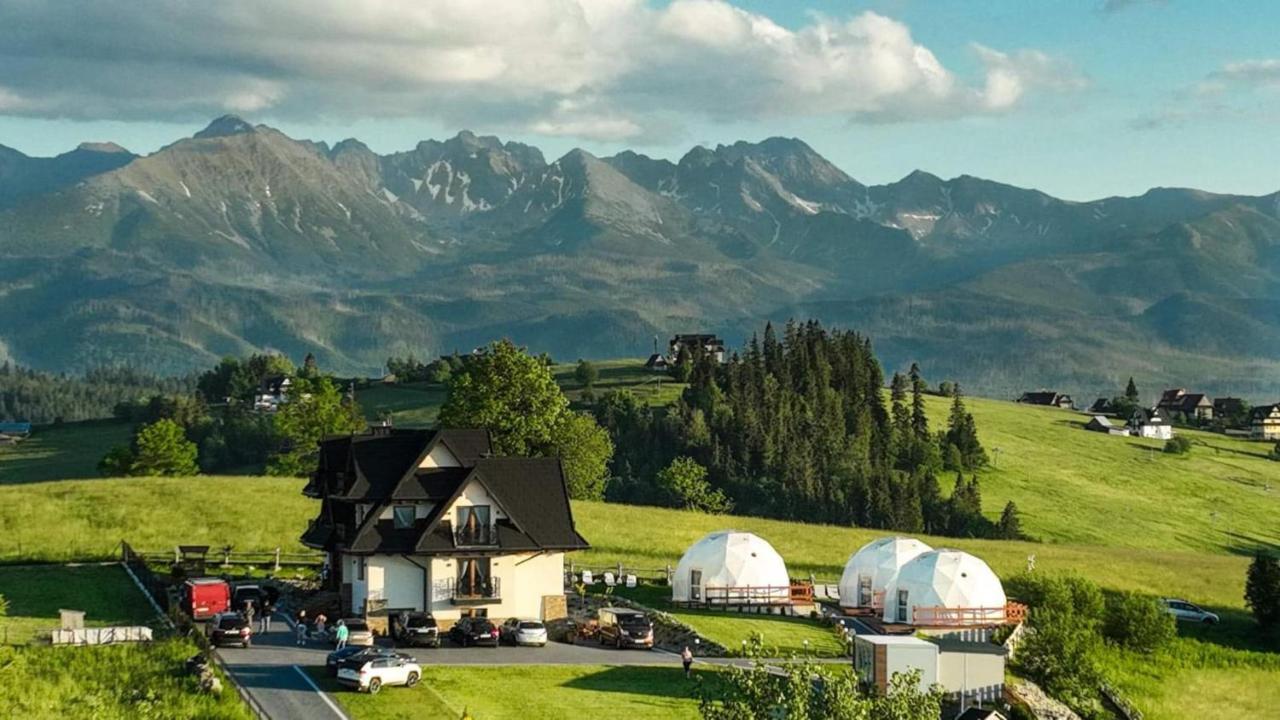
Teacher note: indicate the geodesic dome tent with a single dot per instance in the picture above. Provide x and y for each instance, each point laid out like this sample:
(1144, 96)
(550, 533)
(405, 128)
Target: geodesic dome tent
(874, 567)
(731, 567)
(945, 588)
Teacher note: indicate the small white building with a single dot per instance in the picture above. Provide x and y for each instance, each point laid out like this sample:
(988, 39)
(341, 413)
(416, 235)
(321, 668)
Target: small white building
(946, 588)
(1151, 424)
(877, 658)
(968, 672)
(873, 568)
(730, 567)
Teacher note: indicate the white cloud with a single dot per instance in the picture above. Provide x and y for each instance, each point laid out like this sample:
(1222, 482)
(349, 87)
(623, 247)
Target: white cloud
(586, 68)
(1251, 73)
(1224, 94)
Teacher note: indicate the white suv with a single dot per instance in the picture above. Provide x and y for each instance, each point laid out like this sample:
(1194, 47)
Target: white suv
(1183, 610)
(372, 672)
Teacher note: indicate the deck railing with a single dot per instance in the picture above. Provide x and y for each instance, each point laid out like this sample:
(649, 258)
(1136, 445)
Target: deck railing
(1010, 613)
(795, 593)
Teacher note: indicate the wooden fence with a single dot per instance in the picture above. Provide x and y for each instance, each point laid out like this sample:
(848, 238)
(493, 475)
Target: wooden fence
(1010, 613)
(227, 556)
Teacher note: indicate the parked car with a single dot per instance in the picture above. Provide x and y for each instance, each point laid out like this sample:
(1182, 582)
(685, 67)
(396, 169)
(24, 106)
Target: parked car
(523, 632)
(247, 593)
(1190, 612)
(335, 659)
(474, 631)
(229, 628)
(371, 672)
(624, 628)
(416, 629)
(358, 632)
(202, 598)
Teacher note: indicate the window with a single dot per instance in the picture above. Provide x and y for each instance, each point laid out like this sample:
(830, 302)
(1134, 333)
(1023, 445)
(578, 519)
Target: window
(864, 590)
(404, 515)
(473, 517)
(902, 607)
(473, 577)
(695, 585)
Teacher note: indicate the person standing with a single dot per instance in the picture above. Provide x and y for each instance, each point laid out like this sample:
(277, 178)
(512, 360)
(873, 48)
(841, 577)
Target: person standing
(686, 659)
(342, 633)
(264, 620)
(301, 627)
(248, 613)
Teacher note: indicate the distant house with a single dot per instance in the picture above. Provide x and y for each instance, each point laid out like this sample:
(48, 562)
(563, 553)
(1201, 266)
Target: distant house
(710, 344)
(657, 362)
(1187, 407)
(1264, 422)
(1103, 424)
(1226, 408)
(272, 392)
(1102, 406)
(15, 429)
(1047, 397)
(1150, 424)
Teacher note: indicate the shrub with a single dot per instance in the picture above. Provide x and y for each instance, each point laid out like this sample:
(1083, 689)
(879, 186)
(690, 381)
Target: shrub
(1178, 445)
(1138, 622)
(1061, 654)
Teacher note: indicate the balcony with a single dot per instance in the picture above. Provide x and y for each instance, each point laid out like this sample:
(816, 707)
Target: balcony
(463, 591)
(476, 536)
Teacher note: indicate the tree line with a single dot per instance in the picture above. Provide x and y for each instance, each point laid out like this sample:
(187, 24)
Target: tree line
(37, 397)
(798, 428)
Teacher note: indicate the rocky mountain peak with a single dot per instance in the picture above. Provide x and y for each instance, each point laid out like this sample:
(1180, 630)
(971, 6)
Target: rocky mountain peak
(225, 126)
(102, 147)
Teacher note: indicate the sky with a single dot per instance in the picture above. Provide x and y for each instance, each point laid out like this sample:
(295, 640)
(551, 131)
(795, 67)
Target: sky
(1079, 98)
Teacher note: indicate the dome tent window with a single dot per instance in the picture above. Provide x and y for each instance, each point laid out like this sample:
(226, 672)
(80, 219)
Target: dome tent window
(945, 588)
(871, 570)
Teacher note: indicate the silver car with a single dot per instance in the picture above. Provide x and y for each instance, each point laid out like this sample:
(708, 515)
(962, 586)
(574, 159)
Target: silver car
(524, 632)
(1189, 612)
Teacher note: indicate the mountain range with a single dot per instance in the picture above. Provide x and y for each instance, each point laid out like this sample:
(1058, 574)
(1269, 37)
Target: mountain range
(242, 239)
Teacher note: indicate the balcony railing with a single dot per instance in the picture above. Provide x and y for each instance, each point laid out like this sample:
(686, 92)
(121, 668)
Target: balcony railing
(464, 590)
(475, 536)
(1011, 613)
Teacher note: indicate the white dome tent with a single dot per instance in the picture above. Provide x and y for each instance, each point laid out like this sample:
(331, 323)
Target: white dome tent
(730, 567)
(946, 588)
(874, 567)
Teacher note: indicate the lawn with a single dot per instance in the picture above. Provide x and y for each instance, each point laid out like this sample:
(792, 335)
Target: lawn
(1195, 679)
(110, 682)
(36, 592)
(87, 519)
(60, 452)
(782, 636)
(408, 404)
(529, 693)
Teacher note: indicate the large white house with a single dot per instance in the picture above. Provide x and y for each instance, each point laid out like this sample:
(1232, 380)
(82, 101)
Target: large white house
(418, 520)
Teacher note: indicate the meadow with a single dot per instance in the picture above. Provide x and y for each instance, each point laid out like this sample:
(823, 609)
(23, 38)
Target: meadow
(35, 593)
(548, 692)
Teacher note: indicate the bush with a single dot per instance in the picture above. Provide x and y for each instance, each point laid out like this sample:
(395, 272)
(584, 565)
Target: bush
(1178, 445)
(1138, 622)
(1061, 654)
(1262, 590)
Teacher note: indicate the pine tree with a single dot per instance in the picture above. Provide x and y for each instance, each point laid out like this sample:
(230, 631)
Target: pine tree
(919, 419)
(1010, 526)
(1131, 391)
(1262, 590)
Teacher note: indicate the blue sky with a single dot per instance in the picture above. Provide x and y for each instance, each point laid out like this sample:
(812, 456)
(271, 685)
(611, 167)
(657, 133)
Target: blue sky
(1080, 99)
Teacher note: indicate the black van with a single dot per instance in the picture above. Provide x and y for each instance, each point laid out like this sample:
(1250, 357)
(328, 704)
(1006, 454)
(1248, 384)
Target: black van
(624, 628)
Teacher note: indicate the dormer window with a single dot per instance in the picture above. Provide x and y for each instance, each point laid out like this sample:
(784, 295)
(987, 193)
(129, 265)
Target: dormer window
(403, 516)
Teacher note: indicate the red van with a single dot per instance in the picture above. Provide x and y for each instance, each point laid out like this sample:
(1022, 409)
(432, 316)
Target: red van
(203, 598)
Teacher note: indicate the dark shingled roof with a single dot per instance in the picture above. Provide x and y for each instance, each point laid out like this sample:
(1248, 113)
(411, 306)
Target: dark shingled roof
(533, 492)
(382, 460)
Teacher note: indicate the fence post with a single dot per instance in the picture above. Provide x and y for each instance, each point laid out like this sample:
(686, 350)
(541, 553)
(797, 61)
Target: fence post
(177, 555)
(277, 568)
(619, 575)
(226, 555)
(668, 573)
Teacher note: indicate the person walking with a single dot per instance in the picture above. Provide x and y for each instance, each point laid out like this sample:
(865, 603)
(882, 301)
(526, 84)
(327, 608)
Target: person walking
(248, 613)
(264, 620)
(320, 621)
(342, 633)
(686, 659)
(301, 627)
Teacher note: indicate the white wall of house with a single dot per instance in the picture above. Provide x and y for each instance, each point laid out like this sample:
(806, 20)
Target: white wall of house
(475, 494)
(439, 457)
(396, 580)
(524, 579)
(978, 675)
(1159, 432)
(359, 583)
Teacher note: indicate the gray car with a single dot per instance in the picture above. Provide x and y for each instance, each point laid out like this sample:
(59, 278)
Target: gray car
(1189, 612)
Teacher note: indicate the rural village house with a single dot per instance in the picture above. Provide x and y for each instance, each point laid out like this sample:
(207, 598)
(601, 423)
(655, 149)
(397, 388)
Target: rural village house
(1187, 407)
(272, 393)
(1150, 424)
(657, 362)
(1103, 424)
(1102, 406)
(1047, 397)
(710, 344)
(420, 520)
(1264, 422)
(1228, 407)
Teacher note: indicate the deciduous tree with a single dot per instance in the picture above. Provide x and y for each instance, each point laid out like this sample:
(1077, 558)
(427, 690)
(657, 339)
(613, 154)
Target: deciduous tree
(162, 448)
(316, 408)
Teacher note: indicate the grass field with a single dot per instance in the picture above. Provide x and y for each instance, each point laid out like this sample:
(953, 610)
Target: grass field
(36, 593)
(529, 693)
(111, 682)
(62, 452)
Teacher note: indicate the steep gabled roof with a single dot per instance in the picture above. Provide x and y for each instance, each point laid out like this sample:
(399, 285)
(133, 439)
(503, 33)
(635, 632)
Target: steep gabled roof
(382, 460)
(534, 493)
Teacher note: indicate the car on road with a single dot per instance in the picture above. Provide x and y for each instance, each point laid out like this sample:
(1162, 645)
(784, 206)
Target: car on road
(229, 628)
(416, 630)
(624, 628)
(523, 632)
(1189, 612)
(474, 631)
(242, 594)
(334, 660)
(358, 632)
(370, 672)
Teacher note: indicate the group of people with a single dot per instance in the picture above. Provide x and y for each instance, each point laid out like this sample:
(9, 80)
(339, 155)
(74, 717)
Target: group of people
(307, 630)
(251, 611)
